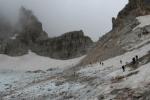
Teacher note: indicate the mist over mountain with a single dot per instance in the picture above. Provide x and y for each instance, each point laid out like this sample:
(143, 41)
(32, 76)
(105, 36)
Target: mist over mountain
(27, 34)
(63, 16)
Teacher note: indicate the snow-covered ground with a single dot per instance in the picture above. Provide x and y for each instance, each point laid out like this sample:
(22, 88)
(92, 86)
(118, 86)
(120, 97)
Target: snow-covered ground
(19, 72)
(86, 83)
(20, 78)
(144, 21)
(31, 62)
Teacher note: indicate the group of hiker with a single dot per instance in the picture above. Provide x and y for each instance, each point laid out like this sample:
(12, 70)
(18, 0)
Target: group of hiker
(101, 63)
(134, 61)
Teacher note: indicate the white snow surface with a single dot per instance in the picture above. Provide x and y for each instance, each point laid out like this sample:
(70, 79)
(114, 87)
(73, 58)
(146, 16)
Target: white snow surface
(32, 61)
(87, 83)
(113, 64)
(144, 21)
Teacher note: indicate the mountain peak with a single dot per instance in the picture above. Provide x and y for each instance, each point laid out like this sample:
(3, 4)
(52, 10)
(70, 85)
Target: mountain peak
(124, 34)
(133, 9)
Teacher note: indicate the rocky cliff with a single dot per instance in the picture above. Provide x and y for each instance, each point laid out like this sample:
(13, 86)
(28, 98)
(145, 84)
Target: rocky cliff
(122, 34)
(5, 27)
(69, 45)
(29, 35)
(133, 9)
(27, 32)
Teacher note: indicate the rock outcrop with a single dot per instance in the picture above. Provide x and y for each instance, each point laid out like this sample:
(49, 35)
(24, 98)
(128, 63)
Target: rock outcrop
(31, 27)
(28, 31)
(69, 45)
(31, 36)
(133, 9)
(5, 27)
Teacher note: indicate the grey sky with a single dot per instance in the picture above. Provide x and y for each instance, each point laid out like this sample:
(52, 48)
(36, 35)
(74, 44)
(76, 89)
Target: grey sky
(60, 16)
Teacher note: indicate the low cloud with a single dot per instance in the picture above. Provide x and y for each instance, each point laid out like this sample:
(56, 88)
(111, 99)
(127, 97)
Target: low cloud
(60, 16)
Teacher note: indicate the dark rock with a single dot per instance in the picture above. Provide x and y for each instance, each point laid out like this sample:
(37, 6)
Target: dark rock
(5, 28)
(36, 71)
(31, 36)
(69, 45)
(15, 48)
(31, 27)
(133, 9)
(101, 97)
(59, 83)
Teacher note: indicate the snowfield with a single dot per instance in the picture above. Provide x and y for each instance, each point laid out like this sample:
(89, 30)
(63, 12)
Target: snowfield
(32, 62)
(19, 72)
(144, 21)
(90, 82)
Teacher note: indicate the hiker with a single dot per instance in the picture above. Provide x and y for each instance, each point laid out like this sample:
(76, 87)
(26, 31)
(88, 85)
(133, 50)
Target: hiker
(123, 68)
(102, 63)
(120, 61)
(133, 60)
(136, 57)
(145, 32)
(90, 63)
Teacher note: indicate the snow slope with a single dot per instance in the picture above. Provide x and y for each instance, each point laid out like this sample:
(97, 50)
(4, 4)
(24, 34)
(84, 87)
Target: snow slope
(88, 83)
(32, 62)
(14, 72)
(114, 63)
(144, 21)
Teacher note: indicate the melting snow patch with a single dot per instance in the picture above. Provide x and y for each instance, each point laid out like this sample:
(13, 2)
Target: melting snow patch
(144, 21)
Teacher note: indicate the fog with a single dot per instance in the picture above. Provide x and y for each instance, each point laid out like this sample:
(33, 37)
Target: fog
(60, 16)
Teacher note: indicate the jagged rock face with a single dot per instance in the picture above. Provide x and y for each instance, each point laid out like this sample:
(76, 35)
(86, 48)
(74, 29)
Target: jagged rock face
(30, 36)
(69, 45)
(15, 48)
(133, 9)
(147, 4)
(31, 28)
(122, 37)
(5, 28)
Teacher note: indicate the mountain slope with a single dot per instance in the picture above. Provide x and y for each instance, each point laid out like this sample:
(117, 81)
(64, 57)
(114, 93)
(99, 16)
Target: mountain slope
(123, 36)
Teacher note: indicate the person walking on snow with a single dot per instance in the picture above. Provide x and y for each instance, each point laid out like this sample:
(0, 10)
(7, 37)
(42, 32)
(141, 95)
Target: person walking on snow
(100, 63)
(120, 61)
(136, 57)
(123, 68)
(133, 60)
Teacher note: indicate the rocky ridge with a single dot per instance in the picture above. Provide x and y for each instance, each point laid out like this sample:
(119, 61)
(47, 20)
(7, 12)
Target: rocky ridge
(122, 34)
(29, 35)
